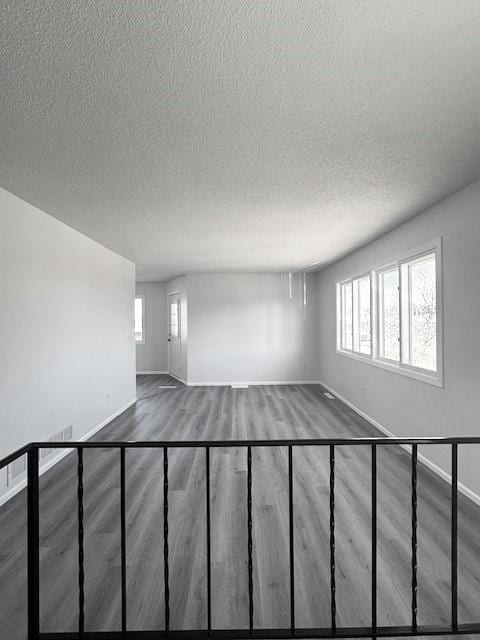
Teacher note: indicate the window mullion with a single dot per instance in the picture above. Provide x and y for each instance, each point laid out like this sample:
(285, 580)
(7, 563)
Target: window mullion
(400, 314)
(359, 307)
(353, 323)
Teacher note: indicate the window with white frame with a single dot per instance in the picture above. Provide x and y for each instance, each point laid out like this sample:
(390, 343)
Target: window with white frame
(139, 319)
(391, 317)
(389, 314)
(356, 315)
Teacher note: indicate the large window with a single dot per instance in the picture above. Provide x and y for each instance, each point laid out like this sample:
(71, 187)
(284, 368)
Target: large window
(140, 320)
(401, 329)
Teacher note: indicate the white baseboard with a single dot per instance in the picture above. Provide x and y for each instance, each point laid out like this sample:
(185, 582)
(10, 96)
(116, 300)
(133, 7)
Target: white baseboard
(43, 468)
(423, 459)
(152, 373)
(250, 383)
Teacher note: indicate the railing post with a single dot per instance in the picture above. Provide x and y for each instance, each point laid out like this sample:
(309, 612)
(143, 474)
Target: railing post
(454, 558)
(333, 603)
(414, 535)
(81, 568)
(291, 539)
(209, 544)
(123, 535)
(165, 541)
(33, 523)
(250, 539)
(374, 539)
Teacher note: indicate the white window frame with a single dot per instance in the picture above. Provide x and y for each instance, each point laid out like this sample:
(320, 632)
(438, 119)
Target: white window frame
(376, 277)
(142, 341)
(340, 348)
(435, 378)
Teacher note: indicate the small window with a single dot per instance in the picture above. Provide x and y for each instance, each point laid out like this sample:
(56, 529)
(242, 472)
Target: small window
(355, 315)
(140, 320)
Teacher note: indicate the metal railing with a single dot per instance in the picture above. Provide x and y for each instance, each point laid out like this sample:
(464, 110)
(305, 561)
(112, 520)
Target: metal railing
(332, 631)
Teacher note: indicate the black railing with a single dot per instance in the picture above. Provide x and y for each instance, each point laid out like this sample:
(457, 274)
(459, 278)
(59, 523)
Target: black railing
(332, 631)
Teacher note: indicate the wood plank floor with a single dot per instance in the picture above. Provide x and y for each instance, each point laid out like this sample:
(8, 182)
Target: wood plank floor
(299, 411)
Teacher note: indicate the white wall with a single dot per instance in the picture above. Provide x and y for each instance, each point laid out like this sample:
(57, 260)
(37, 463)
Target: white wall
(403, 405)
(245, 328)
(66, 328)
(180, 285)
(152, 356)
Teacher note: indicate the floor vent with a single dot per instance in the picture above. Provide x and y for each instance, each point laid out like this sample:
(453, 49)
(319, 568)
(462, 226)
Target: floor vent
(240, 386)
(167, 386)
(329, 395)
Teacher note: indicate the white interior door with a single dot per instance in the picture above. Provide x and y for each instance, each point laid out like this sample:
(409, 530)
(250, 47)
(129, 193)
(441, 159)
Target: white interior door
(174, 335)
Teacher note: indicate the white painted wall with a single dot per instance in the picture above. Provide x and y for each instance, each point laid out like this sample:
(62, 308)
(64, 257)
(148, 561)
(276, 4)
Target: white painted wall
(152, 356)
(180, 285)
(245, 328)
(403, 405)
(66, 328)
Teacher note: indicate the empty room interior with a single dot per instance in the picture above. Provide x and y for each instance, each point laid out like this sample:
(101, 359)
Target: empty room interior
(240, 336)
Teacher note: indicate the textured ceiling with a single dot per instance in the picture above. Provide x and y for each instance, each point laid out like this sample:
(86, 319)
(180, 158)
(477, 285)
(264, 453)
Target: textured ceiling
(238, 135)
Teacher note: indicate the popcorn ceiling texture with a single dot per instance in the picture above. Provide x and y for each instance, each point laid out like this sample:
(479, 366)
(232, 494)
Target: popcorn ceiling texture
(238, 135)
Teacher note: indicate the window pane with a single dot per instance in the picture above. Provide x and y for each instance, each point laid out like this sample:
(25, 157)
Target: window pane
(355, 317)
(390, 315)
(138, 319)
(347, 316)
(174, 319)
(423, 314)
(361, 316)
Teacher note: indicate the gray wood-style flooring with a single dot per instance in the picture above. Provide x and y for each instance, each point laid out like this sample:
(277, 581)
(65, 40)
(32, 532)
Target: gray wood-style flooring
(181, 413)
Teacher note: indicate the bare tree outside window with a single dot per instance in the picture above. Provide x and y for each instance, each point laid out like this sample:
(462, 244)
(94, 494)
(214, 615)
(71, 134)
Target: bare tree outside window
(423, 314)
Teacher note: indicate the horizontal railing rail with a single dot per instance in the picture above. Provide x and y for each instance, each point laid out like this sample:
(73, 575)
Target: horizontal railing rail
(191, 444)
(293, 631)
(12, 457)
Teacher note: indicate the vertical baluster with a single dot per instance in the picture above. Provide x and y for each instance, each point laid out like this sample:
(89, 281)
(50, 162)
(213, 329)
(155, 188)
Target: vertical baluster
(33, 566)
(165, 540)
(333, 603)
(454, 541)
(414, 535)
(374, 537)
(209, 566)
(123, 540)
(81, 568)
(250, 538)
(292, 541)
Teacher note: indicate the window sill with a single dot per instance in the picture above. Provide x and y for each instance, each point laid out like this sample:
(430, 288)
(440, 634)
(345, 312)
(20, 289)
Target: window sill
(434, 379)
